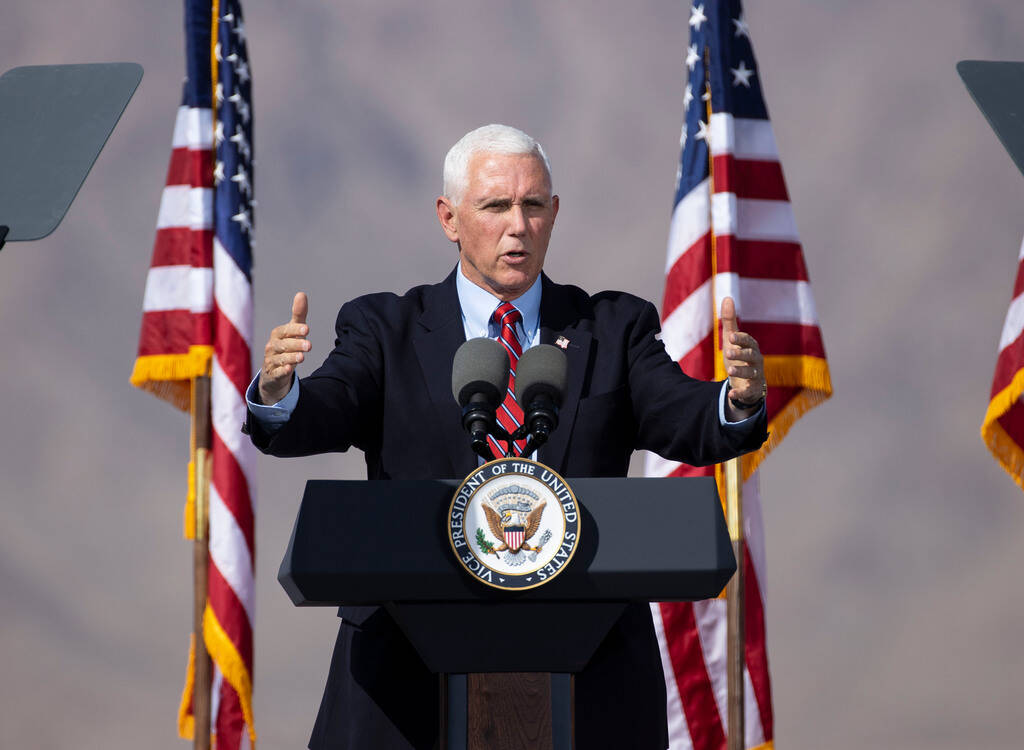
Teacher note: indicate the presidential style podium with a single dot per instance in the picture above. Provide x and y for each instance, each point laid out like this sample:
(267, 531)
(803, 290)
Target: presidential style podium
(506, 658)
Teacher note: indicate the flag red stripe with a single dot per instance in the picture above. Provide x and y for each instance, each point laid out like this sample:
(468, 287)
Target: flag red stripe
(233, 489)
(232, 351)
(748, 258)
(760, 258)
(190, 167)
(755, 649)
(229, 723)
(699, 362)
(231, 615)
(778, 397)
(173, 332)
(783, 339)
(181, 246)
(786, 339)
(1013, 421)
(695, 691)
(690, 270)
(1008, 363)
(1018, 284)
(685, 470)
(749, 179)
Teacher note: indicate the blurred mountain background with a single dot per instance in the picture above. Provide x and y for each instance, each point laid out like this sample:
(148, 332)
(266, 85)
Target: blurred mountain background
(892, 536)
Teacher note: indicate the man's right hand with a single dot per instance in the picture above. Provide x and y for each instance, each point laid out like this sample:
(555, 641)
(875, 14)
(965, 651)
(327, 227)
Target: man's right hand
(285, 349)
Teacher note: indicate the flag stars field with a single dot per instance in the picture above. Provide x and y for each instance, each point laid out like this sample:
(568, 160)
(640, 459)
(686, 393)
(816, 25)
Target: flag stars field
(741, 27)
(697, 17)
(741, 75)
(692, 56)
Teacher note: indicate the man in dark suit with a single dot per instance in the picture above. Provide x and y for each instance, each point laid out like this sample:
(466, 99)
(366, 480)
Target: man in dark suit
(388, 378)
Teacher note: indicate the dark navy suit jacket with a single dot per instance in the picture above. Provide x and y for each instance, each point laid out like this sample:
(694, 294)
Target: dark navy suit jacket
(386, 389)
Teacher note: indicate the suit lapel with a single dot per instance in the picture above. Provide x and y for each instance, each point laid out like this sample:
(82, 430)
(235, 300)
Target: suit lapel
(558, 318)
(439, 334)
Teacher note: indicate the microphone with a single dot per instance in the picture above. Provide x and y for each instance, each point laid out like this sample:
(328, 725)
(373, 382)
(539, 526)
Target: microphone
(479, 381)
(540, 390)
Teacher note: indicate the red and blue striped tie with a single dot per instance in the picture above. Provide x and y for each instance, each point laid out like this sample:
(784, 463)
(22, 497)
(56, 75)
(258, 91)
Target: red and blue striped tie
(510, 415)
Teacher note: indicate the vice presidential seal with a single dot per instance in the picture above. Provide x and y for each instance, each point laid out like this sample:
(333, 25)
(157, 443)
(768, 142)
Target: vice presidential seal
(514, 524)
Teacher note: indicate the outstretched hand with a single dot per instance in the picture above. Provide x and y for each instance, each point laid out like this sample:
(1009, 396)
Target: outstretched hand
(285, 349)
(743, 364)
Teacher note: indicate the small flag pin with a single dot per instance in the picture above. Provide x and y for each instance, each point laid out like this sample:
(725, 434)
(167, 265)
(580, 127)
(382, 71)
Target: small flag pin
(562, 342)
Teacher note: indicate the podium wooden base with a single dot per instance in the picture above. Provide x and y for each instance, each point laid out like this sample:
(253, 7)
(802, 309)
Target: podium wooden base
(528, 710)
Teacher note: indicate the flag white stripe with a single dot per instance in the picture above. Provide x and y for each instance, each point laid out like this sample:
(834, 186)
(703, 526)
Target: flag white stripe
(215, 683)
(228, 413)
(689, 324)
(1014, 323)
(755, 140)
(656, 466)
(185, 206)
(742, 137)
(753, 731)
(193, 128)
(767, 300)
(690, 222)
(753, 531)
(178, 288)
(233, 292)
(713, 634)
(723, 134)
(757, 301)
(678, 730)
(753, 219)
(230, 552)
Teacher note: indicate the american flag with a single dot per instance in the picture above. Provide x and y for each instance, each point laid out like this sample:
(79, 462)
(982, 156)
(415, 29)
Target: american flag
(1003, 426)
(197, 319)
(732, 233)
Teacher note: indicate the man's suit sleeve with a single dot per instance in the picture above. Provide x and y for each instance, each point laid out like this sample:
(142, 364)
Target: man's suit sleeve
(677, 416)
(340, 403)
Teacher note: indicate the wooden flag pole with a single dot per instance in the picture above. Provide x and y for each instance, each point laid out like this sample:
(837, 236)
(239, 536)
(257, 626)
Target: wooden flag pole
(202, 424)
(733, 481)
(201, 429)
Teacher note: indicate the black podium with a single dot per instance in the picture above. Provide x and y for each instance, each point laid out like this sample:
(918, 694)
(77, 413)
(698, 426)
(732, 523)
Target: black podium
(384, 543)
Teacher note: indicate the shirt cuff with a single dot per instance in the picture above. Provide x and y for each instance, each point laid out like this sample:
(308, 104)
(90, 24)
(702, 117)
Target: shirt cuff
(271, 417)
(721, 410)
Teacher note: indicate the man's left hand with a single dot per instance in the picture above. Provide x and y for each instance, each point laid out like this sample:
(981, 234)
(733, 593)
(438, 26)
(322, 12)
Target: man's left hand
(743, 364)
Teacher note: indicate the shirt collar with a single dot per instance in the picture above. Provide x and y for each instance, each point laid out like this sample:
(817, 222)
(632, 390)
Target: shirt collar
(478, 304)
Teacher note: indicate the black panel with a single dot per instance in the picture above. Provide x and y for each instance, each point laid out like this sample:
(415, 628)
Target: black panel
(998, 90)
(55, 121)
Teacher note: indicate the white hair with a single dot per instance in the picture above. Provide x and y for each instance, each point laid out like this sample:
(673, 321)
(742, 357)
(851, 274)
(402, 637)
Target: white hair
(495, 139)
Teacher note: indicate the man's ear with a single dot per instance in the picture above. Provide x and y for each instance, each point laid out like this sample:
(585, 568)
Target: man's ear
(554, 207)
(448, 217)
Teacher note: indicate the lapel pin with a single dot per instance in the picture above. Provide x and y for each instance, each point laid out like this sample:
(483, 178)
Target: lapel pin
(562, 342)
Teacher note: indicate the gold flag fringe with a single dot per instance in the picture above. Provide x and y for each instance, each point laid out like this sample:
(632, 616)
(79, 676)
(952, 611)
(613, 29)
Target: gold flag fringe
(168, 376)
(809, 373)
(186, 721)
(1007, 452)
(190, 503)
(223, 652)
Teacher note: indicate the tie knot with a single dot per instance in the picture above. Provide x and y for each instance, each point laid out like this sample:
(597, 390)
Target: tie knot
(507, 314)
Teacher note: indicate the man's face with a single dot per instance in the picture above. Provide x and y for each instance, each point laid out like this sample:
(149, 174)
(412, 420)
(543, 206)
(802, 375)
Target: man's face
(503, 222)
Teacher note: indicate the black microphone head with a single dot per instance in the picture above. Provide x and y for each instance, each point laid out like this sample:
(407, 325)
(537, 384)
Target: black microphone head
(480, 367)
(541, 370)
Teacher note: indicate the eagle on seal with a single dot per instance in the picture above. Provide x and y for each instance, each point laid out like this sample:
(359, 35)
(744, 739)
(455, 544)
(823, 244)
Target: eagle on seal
(513, 527)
